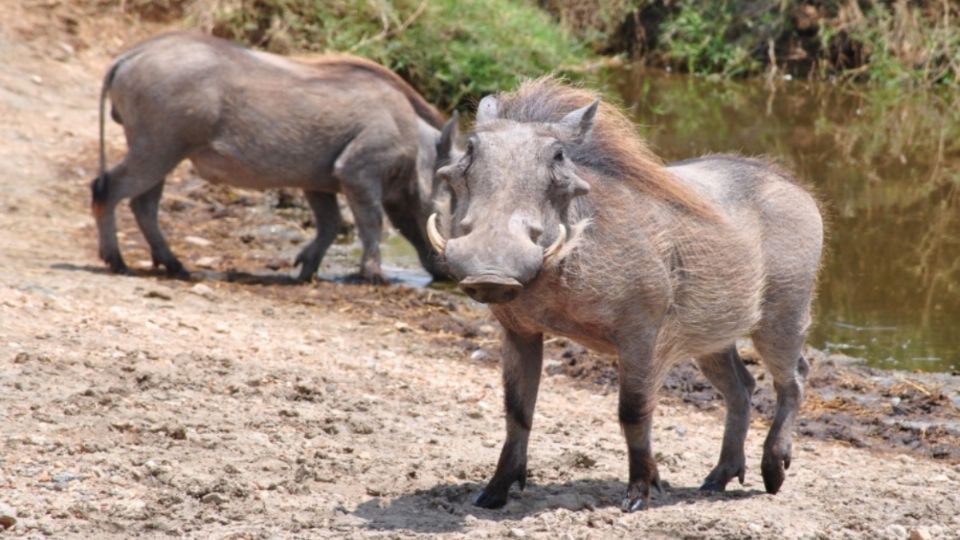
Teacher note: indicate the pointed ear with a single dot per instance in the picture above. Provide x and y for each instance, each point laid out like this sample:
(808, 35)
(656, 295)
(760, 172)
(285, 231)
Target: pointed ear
(447, 136)
(487, 109)
(580, 121)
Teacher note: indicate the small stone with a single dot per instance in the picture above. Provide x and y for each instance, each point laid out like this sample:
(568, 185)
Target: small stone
(896, 531)
(583, 461)
(207, 262)
(518, 533)
(8, 517)
(65, 477)
(36, 79)
(920, 533)
(197, 241)
(479, 355)
(470, 520)
(681, 430)
(158, 295)
(202, 290)
(213, 498)
(402, 327)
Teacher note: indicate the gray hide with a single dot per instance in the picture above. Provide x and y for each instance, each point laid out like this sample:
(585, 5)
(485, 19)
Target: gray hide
(255, 120)
(565, 223)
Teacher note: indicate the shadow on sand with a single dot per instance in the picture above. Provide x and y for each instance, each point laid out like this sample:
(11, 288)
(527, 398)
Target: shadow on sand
(234, 276)
(444, 507)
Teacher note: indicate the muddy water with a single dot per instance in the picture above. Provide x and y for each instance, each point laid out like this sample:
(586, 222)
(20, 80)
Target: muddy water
(887, 167)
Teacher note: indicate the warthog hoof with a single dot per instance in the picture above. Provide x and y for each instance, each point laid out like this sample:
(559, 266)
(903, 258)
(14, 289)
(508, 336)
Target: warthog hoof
(116, 264)
(490, 500)
(638, 494)
(722, 474)
(174, 269)
(772, 468)
(496, 493)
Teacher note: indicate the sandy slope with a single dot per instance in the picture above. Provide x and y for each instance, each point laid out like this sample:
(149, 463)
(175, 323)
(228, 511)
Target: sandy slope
(142, 406)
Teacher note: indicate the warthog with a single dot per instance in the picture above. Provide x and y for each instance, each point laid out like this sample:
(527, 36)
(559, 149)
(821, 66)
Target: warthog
(564, 222)
(256, 120)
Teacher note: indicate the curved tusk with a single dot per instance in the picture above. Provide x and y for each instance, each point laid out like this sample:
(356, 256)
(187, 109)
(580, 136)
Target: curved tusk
(557, 244)
(437, 240)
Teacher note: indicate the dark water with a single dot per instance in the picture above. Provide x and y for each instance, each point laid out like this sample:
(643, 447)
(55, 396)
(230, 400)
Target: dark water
(887, 166)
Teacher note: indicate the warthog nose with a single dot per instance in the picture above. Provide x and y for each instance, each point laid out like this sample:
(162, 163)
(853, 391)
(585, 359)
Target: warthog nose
(491, 289)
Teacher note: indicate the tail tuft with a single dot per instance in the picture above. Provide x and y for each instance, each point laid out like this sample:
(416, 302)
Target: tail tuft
(98, 188)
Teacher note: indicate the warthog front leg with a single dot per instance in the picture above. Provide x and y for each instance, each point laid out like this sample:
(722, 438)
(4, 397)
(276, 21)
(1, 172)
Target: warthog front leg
(730, 377)
(639, 384)
(326, 216)
(522, 361)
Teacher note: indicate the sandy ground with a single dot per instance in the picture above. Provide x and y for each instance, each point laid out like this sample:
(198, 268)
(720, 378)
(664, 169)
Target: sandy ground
(251, 408)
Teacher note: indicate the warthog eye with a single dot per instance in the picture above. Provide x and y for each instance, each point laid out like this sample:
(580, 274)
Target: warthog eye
(558, 155)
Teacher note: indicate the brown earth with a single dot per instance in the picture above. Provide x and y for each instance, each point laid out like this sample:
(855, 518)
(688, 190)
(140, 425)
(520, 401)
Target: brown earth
(242, 405)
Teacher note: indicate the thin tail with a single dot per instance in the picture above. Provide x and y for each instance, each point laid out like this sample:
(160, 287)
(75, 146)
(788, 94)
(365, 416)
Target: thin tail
(99, 186)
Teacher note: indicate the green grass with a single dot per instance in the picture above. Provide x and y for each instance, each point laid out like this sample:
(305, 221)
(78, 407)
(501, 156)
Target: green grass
(452, 51)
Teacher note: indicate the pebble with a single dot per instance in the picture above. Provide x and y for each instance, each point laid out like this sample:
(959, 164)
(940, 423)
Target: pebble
(197, 241)
(213, 498)
(896, 531)
(202, 290)
(36, 79)
(7, 517)
(518, 533)
(920, 533)
(479, 355)
(207, 262)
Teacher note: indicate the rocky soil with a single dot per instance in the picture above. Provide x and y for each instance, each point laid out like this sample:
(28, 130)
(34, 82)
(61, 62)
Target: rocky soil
(241, 405)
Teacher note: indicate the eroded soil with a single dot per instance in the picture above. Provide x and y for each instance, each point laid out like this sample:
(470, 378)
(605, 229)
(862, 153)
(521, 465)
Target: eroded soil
(241, 405)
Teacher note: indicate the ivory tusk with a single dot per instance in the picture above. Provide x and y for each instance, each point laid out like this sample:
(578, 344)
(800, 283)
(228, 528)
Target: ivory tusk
(557, 244)
(437, 240)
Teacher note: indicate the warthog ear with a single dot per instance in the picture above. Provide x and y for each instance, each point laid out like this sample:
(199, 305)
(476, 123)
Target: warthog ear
(580, 121)
(487, 109)
(445, 142)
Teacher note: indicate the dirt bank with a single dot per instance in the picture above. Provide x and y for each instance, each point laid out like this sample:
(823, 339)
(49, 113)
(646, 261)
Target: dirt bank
(237, 406)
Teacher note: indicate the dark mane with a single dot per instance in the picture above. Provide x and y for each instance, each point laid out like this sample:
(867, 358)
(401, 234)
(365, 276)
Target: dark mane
(614, 149)
(424, 110)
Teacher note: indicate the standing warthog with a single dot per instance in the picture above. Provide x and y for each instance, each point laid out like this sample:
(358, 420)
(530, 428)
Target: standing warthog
(256, 120)
(661, 264)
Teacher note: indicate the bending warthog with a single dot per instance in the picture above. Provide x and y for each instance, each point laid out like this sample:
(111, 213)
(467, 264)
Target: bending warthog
(663, 264)
(255, 120)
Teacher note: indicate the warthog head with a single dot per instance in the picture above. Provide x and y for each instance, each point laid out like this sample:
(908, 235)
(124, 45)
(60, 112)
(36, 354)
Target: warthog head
(511, 191)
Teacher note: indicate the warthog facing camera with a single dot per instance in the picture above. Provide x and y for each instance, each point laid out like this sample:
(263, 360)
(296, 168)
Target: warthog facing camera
(564, 222)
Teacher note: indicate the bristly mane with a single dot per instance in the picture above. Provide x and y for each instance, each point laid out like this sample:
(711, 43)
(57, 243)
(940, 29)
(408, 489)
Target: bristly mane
(424, 110)
(614, 148)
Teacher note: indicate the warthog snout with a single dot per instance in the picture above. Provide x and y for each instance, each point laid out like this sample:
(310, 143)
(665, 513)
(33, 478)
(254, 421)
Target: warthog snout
(491, 289)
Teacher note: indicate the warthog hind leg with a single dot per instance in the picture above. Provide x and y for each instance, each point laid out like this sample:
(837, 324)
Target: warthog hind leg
(145, 208)
(780, 351)
(522, 360)
(730, 377)
(138, 174)
(326, 215)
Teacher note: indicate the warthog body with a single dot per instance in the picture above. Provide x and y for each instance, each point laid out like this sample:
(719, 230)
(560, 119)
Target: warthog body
(663, 264)
(256, 120)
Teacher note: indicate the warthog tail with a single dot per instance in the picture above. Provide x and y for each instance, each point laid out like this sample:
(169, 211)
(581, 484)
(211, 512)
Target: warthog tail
(99, 185)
